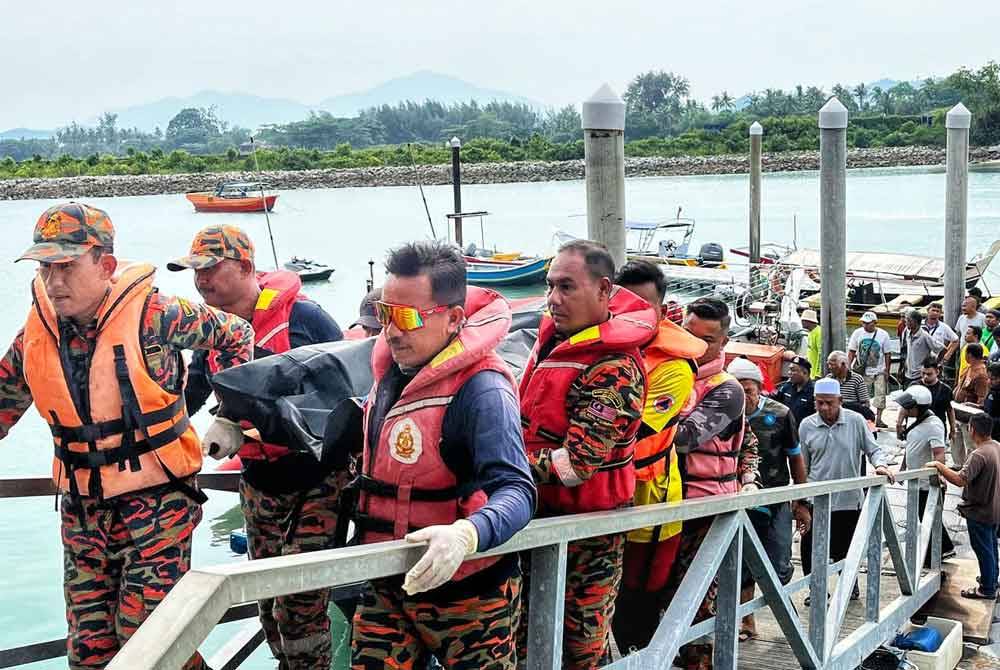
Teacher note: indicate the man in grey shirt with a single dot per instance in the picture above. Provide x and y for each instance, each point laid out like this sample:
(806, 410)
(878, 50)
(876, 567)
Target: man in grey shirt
(833, 442)
(924, 441)
(918, 344)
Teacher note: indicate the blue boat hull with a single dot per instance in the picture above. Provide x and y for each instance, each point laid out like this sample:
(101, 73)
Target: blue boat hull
(515, 275)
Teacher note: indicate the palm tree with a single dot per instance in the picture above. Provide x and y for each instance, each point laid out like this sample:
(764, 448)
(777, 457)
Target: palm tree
(845, 97)
(861, 92)
(722, 102)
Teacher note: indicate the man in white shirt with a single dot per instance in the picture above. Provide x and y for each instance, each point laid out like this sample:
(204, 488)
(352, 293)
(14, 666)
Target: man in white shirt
(924, 441)
(869, 354)
(945, 339)
(970, 316)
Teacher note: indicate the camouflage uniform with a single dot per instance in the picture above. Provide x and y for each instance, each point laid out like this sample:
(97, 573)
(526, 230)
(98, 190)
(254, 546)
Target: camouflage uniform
(289, 503)
(393, 630)
(122, 555)
(119, 566)
(296, 626)
(594, 565)
(715, 414)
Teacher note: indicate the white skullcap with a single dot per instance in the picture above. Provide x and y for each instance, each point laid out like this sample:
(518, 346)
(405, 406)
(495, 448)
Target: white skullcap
(742, 368)
(826, 386)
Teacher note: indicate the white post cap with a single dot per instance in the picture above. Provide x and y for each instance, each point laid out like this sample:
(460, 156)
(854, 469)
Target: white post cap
(756, 129)
(833, 114)
(958, 116)
(455, 143)
(604, 110)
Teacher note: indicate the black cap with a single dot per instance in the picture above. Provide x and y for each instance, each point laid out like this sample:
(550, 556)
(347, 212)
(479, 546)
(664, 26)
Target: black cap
(802, 362)
(366, 313)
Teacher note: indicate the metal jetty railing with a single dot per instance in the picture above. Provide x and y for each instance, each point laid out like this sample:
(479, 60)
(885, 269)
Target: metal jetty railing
(229, 657)
(204, 596)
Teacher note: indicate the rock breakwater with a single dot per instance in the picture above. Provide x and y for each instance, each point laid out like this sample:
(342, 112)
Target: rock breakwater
(473, 173)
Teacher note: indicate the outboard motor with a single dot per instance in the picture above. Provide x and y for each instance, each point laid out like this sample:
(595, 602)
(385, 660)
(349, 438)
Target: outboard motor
(711, 254)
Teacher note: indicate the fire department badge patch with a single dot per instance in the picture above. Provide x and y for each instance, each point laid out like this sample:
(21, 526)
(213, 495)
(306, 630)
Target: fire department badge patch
(405, 442)
(51, 228)
(663, 403)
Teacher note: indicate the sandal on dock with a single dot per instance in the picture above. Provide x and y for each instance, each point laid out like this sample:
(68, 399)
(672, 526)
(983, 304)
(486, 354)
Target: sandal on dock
(976, 594)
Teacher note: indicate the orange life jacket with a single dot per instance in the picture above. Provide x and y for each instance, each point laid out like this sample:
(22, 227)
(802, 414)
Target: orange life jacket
(405, 483)
(670, 344)
(137, 434)
(545, 385)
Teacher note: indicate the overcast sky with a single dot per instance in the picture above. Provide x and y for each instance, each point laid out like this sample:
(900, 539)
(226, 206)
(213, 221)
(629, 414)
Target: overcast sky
(67, 60)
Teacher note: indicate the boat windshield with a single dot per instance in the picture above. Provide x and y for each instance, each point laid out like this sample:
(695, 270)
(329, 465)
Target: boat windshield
(646, 235)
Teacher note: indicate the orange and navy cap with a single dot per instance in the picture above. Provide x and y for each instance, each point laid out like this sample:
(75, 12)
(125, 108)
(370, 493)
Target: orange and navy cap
(66, 232)
(211, 245)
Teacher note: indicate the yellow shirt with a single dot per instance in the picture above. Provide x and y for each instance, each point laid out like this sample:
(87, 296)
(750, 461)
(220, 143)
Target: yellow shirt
(814, 352)
(669, 386)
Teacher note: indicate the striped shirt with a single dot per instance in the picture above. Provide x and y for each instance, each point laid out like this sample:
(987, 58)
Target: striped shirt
(855, 389)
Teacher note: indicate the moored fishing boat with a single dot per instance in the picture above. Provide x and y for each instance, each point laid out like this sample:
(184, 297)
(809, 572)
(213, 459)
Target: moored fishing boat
(487, 272)
(234, 197)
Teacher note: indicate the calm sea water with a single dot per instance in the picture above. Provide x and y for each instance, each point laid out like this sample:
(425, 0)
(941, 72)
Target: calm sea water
(899, 210)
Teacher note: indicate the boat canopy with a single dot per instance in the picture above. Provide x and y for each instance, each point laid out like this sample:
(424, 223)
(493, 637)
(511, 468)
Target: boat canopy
(654, 225)
(242, 186)
(905, 266)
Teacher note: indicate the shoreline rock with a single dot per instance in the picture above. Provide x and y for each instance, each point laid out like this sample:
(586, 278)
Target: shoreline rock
(472, 173)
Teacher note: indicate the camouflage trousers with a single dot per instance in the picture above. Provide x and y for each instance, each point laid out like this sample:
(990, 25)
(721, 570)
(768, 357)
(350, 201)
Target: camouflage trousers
(692, 656)
(394, 630)
(296, 626)
(593, 575)
(122, 556)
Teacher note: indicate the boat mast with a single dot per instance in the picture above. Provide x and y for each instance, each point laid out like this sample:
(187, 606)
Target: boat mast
(263, 200)
(416, 177)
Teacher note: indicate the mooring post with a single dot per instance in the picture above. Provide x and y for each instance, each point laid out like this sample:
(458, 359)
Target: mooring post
(956, 201)
(756, 135)
(604, 168)
(833, 225)
(456, 185)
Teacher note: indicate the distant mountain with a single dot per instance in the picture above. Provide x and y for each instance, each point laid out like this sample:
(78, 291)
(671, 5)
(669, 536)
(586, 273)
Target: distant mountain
(240, 109)
(418, 87)
(251, 111)
(26, 134)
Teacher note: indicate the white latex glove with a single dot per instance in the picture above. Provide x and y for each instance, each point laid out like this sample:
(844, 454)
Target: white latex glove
(749, 487)
(447, 547)
(222, 439)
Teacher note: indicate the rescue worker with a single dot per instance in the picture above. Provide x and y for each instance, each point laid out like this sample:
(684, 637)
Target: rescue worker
(100, 357)
(289, 501)
(717, 452)
(582, 396)
(444, 464)
(781, 463)
(669, 360)
(367, 324)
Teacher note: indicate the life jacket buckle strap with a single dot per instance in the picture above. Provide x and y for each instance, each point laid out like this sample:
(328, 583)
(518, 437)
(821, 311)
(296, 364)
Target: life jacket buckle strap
(615, 465)
(381, 489)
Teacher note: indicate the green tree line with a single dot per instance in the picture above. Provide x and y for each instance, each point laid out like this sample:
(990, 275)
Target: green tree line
(662, 119)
